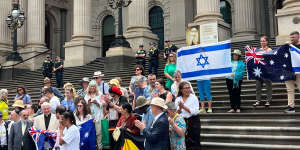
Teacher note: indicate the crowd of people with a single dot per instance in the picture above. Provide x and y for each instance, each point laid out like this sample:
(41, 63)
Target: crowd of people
(166, 114)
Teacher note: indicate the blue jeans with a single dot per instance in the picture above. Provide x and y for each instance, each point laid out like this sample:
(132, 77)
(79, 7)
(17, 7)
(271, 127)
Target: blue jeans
(204, 88)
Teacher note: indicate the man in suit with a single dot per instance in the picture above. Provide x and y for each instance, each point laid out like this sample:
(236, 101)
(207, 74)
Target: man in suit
(19, 137)
(157, 136)
(46, 121)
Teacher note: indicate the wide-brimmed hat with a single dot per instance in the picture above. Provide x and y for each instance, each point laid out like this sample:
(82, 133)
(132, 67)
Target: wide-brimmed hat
(93, 82)
(141, 101)
(47, 80)
(114, 82)
(159, 102)
(237, 52)
(98, 74)
(171, 106)
(85, 79)
(18, 103)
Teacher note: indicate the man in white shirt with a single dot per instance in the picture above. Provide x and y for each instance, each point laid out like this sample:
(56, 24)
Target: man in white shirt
(54, 101)
(4, 131)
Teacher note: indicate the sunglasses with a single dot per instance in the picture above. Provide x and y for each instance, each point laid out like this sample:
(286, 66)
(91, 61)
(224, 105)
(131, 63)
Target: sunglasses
(79, 105)
(20, 89)
(171, 56)
(137, 69)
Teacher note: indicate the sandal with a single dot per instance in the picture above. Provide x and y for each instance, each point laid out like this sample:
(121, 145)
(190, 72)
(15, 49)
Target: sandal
(256, 103)
(231, 111)
(267, 104)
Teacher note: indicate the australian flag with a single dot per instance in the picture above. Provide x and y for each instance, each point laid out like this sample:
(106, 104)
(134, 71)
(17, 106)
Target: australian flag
(87, 135)
(275, 66)
(42, 136)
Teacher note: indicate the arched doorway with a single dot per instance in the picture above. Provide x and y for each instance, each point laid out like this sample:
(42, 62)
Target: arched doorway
(225, 10)
(108, 33)
(156, 22)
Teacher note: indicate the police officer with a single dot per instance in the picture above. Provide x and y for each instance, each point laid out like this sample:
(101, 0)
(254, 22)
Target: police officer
(47, 67)
(169, 48)
(140, 56)
(59, 69)
(153, 58)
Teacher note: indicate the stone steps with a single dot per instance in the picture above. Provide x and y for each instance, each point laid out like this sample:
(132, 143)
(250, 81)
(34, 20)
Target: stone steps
(241, 146)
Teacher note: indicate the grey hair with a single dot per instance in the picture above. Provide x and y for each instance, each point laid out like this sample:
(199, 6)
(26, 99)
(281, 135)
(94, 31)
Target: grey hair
(177, 72)
(45, 104)
(3, 91)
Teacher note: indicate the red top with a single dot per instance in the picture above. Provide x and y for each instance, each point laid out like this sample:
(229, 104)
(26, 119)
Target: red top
(129, 124)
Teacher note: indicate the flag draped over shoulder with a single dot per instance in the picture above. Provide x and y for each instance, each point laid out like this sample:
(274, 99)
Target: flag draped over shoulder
(41, 136)
(295, 56)
(275, 66)
(87, 135)
(204, 61)
(129, 141)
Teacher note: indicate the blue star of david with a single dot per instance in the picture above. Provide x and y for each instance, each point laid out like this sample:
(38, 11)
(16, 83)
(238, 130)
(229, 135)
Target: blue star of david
(199, 61)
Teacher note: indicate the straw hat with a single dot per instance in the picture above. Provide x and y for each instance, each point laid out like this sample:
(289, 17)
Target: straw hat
(115, 82)
(47, 80)
(98, 74)
(19, 103)
(159, 102)
(141, 102)
(237, 52)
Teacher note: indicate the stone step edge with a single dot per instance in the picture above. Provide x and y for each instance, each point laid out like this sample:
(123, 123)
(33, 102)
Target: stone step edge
(252, 146)
(261, 137)
(251, 120)
(252, 128)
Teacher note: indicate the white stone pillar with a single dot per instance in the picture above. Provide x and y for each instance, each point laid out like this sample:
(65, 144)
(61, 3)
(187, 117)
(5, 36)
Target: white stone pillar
(22, 30)
(82, 48)
(208, 9)
(82, 20)
(5, 32)
(288, 20)
(138, 31)
(36, 23)
(244, 20)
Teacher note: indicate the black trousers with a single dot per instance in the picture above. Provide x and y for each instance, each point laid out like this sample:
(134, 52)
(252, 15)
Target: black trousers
(47, 74)
(141, 62)
(59, 79)
(153, 63)
(234, 94)
(5, 147)
(192, 136)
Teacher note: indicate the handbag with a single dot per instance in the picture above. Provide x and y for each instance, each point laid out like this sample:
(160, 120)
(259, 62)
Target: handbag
(105, 132)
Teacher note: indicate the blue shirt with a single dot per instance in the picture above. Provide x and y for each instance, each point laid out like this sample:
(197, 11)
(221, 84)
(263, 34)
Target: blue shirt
(26, 98)
(141, 92)
(105, 88)
(148, 117)
(69, 104)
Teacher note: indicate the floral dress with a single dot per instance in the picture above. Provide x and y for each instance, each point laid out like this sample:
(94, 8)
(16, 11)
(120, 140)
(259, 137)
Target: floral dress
(177, 142)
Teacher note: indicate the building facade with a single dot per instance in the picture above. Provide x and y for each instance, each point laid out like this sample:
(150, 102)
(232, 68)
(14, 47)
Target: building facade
(82, 30)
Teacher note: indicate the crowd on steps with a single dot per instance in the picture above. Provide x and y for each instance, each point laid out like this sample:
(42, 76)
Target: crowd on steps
(153, 114)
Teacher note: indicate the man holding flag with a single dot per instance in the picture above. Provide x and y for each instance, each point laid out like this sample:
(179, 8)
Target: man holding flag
(290, 85)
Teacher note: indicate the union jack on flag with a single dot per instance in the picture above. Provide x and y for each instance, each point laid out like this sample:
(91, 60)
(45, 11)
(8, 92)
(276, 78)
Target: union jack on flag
(40, 136)
(251, 53)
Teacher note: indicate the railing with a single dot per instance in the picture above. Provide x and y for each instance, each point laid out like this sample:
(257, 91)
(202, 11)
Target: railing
(13, 65)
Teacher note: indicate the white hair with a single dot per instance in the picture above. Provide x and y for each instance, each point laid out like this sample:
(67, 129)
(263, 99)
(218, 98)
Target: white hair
(3, 91)
(45, 104)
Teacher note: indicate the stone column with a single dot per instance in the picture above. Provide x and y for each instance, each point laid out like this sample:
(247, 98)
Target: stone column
(138, 31)
(36, 23)
(22, 30)
(244, 20)
(81, 49)
(5, 32)
(208, 11)
(288, 20)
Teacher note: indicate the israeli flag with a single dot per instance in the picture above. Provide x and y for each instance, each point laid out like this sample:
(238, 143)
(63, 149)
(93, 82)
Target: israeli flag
(295, 56)
(205, 61)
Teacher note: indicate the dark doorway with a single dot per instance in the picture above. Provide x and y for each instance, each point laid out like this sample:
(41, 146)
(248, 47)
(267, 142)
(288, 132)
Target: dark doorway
(156, 22)
(108, 33)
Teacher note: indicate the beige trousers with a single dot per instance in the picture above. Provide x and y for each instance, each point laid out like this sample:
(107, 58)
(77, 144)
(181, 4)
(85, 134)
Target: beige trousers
(290, 85)
(98, 134)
